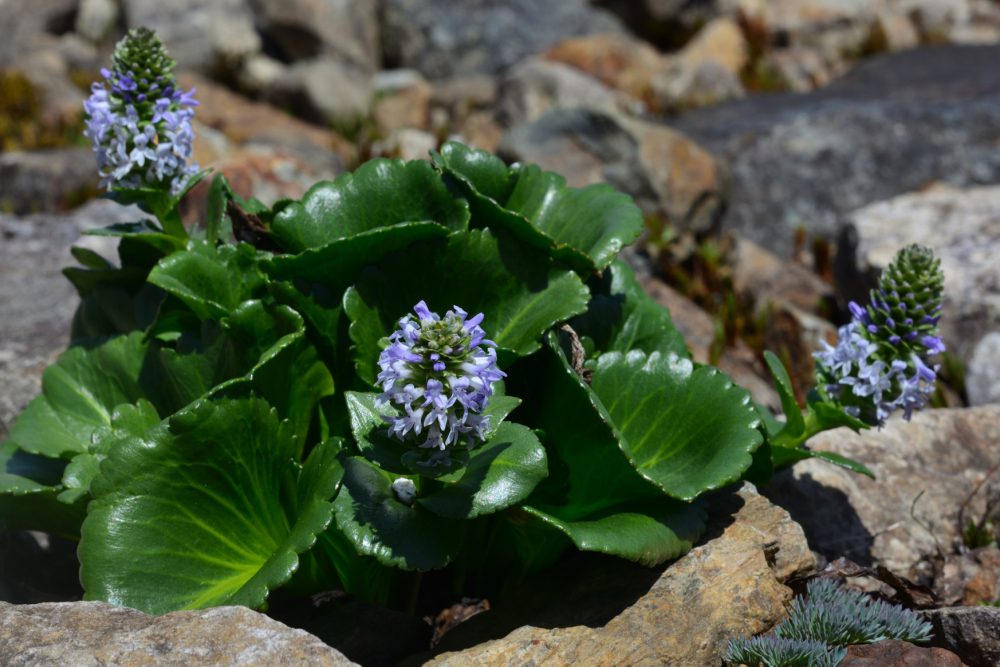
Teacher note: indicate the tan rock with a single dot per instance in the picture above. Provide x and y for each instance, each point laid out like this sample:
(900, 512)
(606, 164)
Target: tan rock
(480, 130)
(728, 587)
(721, 41)
(88, 634)
(405, 107)
(925, 469)
(616, 59)
(536, 87)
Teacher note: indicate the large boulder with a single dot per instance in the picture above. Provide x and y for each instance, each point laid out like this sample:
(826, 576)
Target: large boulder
(95, 633)
(443, 38)
(925, 470)
(893, 125)
(685, 614)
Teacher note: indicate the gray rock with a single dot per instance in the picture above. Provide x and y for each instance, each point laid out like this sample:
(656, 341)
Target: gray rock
(971, 632)
(925, 470)
(683, 614)
(346, 30)
(443, 38)
(36, 21)
(535, 86)
(982, 377)
(963, 228)
(96, 19)
(686, 85)
(892, 125)
(667, 173)
(85, 634)
(46, 180)
(36, 300)
(895, 653)
(324, 90)
(198, 35)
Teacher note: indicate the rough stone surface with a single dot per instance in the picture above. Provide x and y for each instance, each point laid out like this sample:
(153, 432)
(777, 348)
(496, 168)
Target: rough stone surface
(324, 90)
(618, 60)
(971, 632)
(893, 653)
(893, 125)
(970, 578)
(37, 302)
(729, 586)
(667, 173)
(46, 180)
(925, 469)
(982, 376)
(86, 634)
(442, 38)
(199, 35)
(963, 228)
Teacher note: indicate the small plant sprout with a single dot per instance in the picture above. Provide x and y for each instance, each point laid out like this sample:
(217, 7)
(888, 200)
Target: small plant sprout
(138, 120)
(821, 624)
(440, 371)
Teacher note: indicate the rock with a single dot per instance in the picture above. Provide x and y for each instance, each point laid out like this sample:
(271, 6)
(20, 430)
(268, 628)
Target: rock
(442, 38)
(691, 84)
(963, 228)
(536, 86)
(982, 375)
(668, 174)
(971, 632)
(480, 130)
(720, 41)
(894, 653)
(925, 470)
(259, 72)
(95, 633)
(325, 91)
(404, 103)
(37, 23)
(38, 301)
(893, 125)
(198, 35)
(970, 578)
(96, 19)
(406, 143)
(618, 60)
(684, 615)
(762, 275)
(304, 29)
(46, 180)
(463, 93)
(248, 123)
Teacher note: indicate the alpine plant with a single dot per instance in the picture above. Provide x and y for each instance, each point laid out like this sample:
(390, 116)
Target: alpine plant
(138, 120)
(883, 360)
(439, 373)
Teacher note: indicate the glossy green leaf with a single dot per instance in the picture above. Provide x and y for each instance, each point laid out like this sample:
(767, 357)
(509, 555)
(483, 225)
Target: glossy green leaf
(380, 193)
(794, 422)
(621, 317)
(378, 524)
(207, 509)
(501, 472)
(28, 494)
(786, 456)
(79, 393)
(211, 280)
(688, 429)
(520, 292)
(338, 263)
(219, 193)
(369, 429)
(647, 532)
(586, 227)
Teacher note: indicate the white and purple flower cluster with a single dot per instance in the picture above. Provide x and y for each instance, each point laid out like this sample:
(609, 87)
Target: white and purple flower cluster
(439, 372)
(139, 122)
(883, 358)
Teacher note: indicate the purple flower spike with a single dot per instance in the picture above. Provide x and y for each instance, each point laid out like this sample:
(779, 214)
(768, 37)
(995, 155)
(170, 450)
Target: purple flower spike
(438, 371)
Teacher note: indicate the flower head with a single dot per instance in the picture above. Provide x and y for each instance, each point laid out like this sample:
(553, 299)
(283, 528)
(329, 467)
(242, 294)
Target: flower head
(138, 121)
(439, 372)
(882, 360)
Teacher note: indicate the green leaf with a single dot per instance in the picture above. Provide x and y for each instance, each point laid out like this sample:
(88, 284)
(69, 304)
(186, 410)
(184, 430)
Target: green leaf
(795, 424)
(369, 429)
(588, 469)
(786, 456)
(207, 509)
(219, 193)
(378, 524)
(621, 317)
(380, 193)
(141, 232)
(688, 429)
(28, 498)
(647, 532)
(338, 263)
(519, 291)
(586, 227)
(827, 415)
(79, 393)
(502, 471)
(211, 280)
